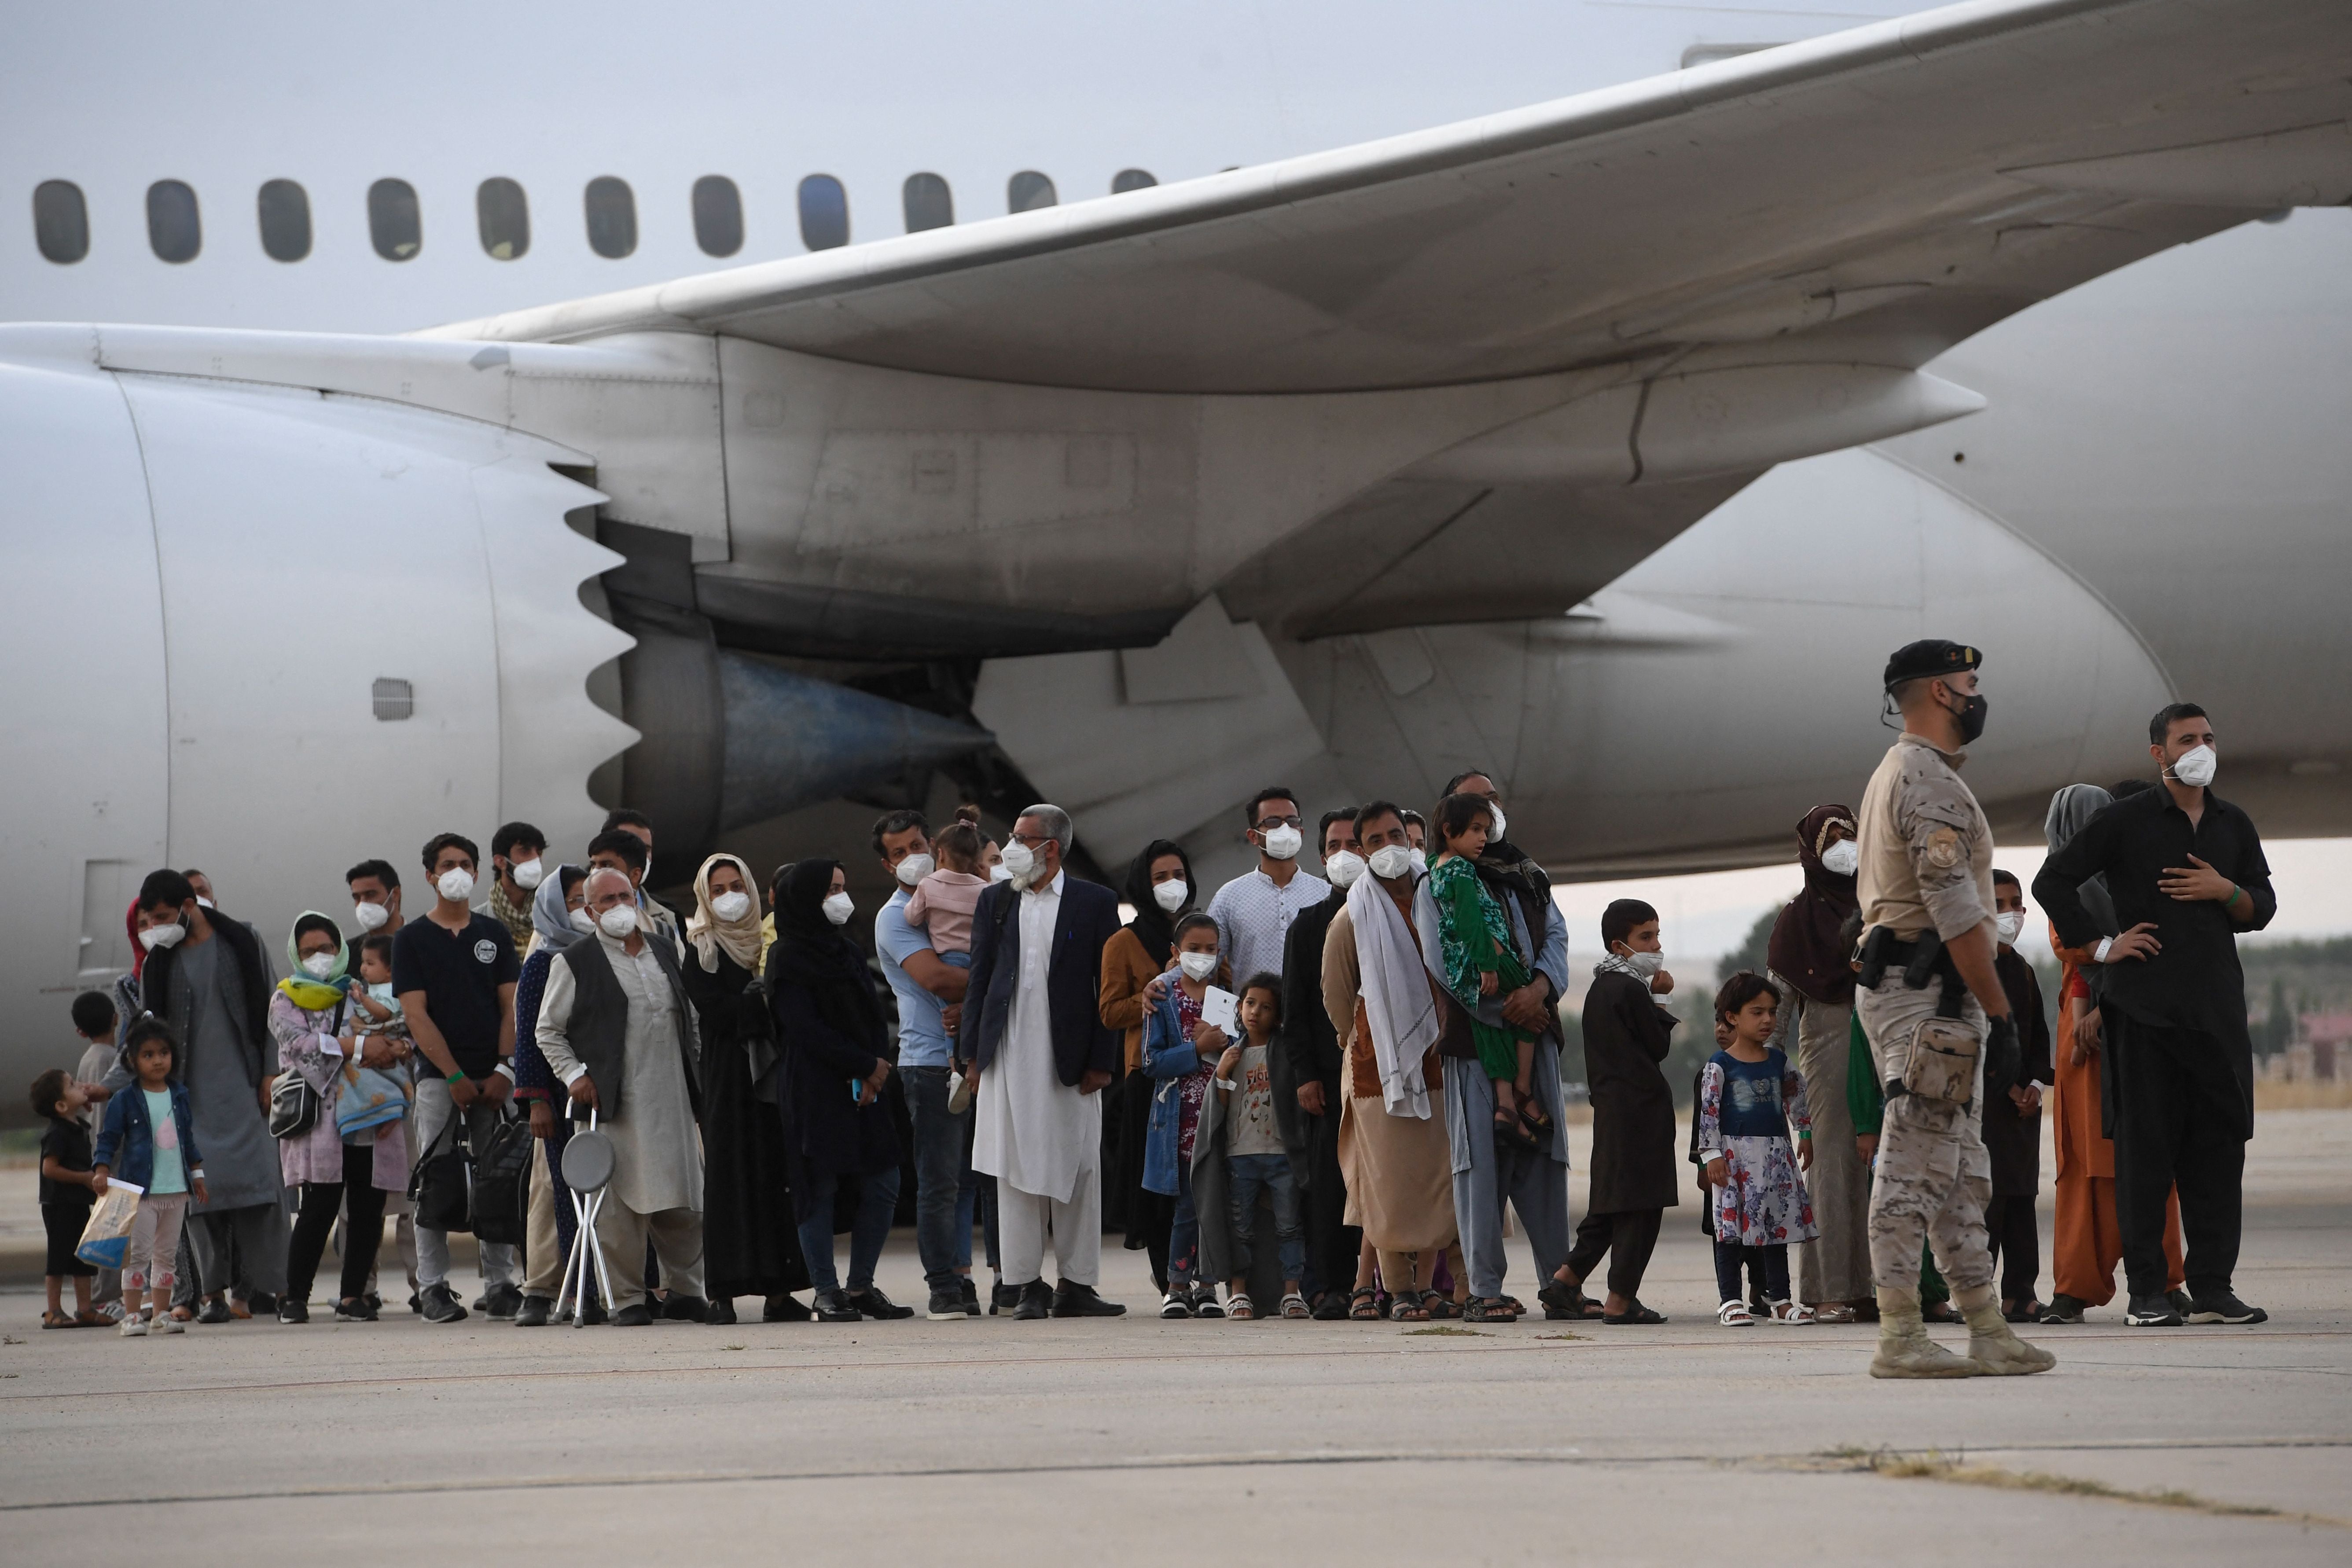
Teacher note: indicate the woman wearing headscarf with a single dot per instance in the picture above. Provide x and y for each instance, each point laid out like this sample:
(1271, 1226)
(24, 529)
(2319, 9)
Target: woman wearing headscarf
(2085, 1241)
(558, 917)
(355, 1149)
(833, 1065)
(1160, 888)
(751, 1238)
(1809, 959)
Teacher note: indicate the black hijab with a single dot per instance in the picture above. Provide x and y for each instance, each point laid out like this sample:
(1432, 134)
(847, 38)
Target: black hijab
(1806, 949)
(813, 953)
(1154, 927)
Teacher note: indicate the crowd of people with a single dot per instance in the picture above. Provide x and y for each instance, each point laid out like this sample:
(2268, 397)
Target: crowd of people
(1306, 1096)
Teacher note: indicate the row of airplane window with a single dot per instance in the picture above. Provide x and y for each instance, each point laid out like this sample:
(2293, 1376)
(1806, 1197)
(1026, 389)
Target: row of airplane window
(502, 215)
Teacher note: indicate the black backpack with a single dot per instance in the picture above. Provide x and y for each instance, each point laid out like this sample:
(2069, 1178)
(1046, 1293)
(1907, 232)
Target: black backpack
(485, 1190)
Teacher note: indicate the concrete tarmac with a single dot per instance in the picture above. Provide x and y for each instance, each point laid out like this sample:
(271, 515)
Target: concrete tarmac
(1134, 1440)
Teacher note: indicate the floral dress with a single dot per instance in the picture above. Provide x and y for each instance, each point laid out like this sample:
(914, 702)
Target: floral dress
(1474, 938)
(1745, 1110)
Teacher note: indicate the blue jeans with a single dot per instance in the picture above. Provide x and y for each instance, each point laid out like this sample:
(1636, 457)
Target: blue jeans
(877, 1202)
(1251, 1173)
(941, 1166)
(1184, 1234)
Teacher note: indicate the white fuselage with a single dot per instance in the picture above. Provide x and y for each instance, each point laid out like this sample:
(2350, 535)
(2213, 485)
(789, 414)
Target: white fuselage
(2153, 504)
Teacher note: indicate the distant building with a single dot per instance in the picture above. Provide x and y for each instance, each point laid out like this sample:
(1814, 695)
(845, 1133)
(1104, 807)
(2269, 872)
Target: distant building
(2321, 1039)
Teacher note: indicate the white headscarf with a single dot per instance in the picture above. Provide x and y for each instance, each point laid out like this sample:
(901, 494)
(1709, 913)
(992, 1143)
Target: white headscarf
(1398, 1005)
(741, 938)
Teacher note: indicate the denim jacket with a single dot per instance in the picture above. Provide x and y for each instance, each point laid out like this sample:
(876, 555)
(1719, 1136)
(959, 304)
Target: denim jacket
(126, 1143)
(1168, 1057)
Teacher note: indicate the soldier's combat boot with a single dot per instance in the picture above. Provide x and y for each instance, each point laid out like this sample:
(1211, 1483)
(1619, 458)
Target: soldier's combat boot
(1904, 1348)
(1994, 1346)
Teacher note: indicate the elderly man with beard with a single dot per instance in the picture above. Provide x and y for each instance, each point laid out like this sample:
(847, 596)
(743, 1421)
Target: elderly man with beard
(616, 1030)
(1034, 1032)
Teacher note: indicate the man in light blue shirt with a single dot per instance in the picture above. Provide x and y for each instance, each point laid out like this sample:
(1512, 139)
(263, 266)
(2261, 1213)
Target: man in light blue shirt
(930, 994)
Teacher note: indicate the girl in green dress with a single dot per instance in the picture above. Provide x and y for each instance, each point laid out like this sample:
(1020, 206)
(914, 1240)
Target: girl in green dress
(1482, 964)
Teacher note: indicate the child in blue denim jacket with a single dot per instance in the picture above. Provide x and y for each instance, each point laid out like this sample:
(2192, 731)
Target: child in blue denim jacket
(149, 1139)
(1180, 1051)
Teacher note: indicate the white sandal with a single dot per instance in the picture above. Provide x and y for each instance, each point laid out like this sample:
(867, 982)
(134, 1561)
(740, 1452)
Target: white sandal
(1735, 1315)
(1240, 1307)
(1792, 1313)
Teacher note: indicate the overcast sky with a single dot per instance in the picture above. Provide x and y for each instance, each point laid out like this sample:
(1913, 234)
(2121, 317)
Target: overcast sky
(1704, 916)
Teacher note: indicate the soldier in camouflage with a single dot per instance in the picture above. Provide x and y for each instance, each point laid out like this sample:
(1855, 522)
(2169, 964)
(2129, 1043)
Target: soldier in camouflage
(1928, 905)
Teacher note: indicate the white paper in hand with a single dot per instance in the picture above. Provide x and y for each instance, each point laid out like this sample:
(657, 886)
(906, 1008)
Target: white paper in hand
(1219, 1009)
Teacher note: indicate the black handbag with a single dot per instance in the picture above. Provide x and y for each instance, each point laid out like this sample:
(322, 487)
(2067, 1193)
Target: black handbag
(439, 1184)
(501, 1186)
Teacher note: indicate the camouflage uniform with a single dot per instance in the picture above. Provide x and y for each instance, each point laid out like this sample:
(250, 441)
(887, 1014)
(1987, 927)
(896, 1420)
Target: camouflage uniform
(1926, 861)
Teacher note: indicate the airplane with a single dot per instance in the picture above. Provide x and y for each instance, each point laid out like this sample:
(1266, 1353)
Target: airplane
(1592, 394)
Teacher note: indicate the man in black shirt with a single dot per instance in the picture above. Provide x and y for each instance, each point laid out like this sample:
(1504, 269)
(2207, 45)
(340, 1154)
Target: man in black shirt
(2186, 871)
(453, 972)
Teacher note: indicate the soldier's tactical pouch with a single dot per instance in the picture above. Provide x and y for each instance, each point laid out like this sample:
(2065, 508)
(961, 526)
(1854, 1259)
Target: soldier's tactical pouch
(1942, 1061)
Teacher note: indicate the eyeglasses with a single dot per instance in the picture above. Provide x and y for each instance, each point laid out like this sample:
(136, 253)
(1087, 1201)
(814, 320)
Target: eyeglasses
(1036, 841)
(1265, 822)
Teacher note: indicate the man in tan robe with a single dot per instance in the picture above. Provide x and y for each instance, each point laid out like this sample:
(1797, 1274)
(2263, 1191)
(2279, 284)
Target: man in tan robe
(1393, 1143)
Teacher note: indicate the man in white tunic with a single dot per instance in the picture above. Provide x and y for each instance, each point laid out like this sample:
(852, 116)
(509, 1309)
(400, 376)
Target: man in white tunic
(1034, 1034)
(615, 1028)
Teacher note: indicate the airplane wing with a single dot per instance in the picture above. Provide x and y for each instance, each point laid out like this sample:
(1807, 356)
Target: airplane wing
(1869, 197)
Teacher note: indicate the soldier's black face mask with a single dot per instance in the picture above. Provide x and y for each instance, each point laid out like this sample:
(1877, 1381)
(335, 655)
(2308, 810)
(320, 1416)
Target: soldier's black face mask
(1971, 715)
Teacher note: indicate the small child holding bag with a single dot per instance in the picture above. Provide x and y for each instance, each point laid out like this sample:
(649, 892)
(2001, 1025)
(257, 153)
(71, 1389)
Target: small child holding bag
(149, 1135)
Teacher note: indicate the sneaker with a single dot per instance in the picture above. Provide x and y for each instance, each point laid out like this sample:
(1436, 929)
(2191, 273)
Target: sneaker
(415, 1302)
(1074, 1300)
(534, 1312)
(357, 1309)
(969, 1294)
(1331, 1307)
(289, 1311)
(830, 1307)
(593, 1314)
(167, 1325)
(482, 1302)
(1036, 1299)
(785, 1308)
(1002, 1298)
(133, 1327)
(2063, 1309)
(2221, 1307)
(2152, 1312)
(2182, 1303)
(112, 1311)
(504, 1302)
(1172, 1305)
(215, 1309)
(261, 1303)
(947, 1306)
(875, 1305)
(1204, 1302)
(440, 1305)
(723, 1310)
(638, 1316)
(681, 1308)
(375, 1301)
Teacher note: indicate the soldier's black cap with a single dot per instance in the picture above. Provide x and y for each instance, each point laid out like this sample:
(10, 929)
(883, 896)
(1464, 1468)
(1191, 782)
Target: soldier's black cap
(1928, 658)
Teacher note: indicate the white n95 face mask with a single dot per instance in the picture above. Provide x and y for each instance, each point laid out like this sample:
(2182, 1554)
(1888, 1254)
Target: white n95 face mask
(1170, 896)
(731, 906)
(203, 902)
(1842, 859)
(584, 923)
(839, 908)
(1198, 965)
(2197, 767)
(1645, 964)
(1342, 869)
(1000, 872)
(1285, 842)
(1020, 860)
(1419, 859)
(1501, 822)
(527, 874)
(1390, 861)
(319, 965)
(914, 868)
(154, 937)
(372, 917)
(456, 884)
(619, 921)
(2008, 925)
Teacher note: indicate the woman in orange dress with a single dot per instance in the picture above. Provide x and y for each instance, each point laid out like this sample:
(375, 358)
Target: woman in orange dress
(2086, 1243)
